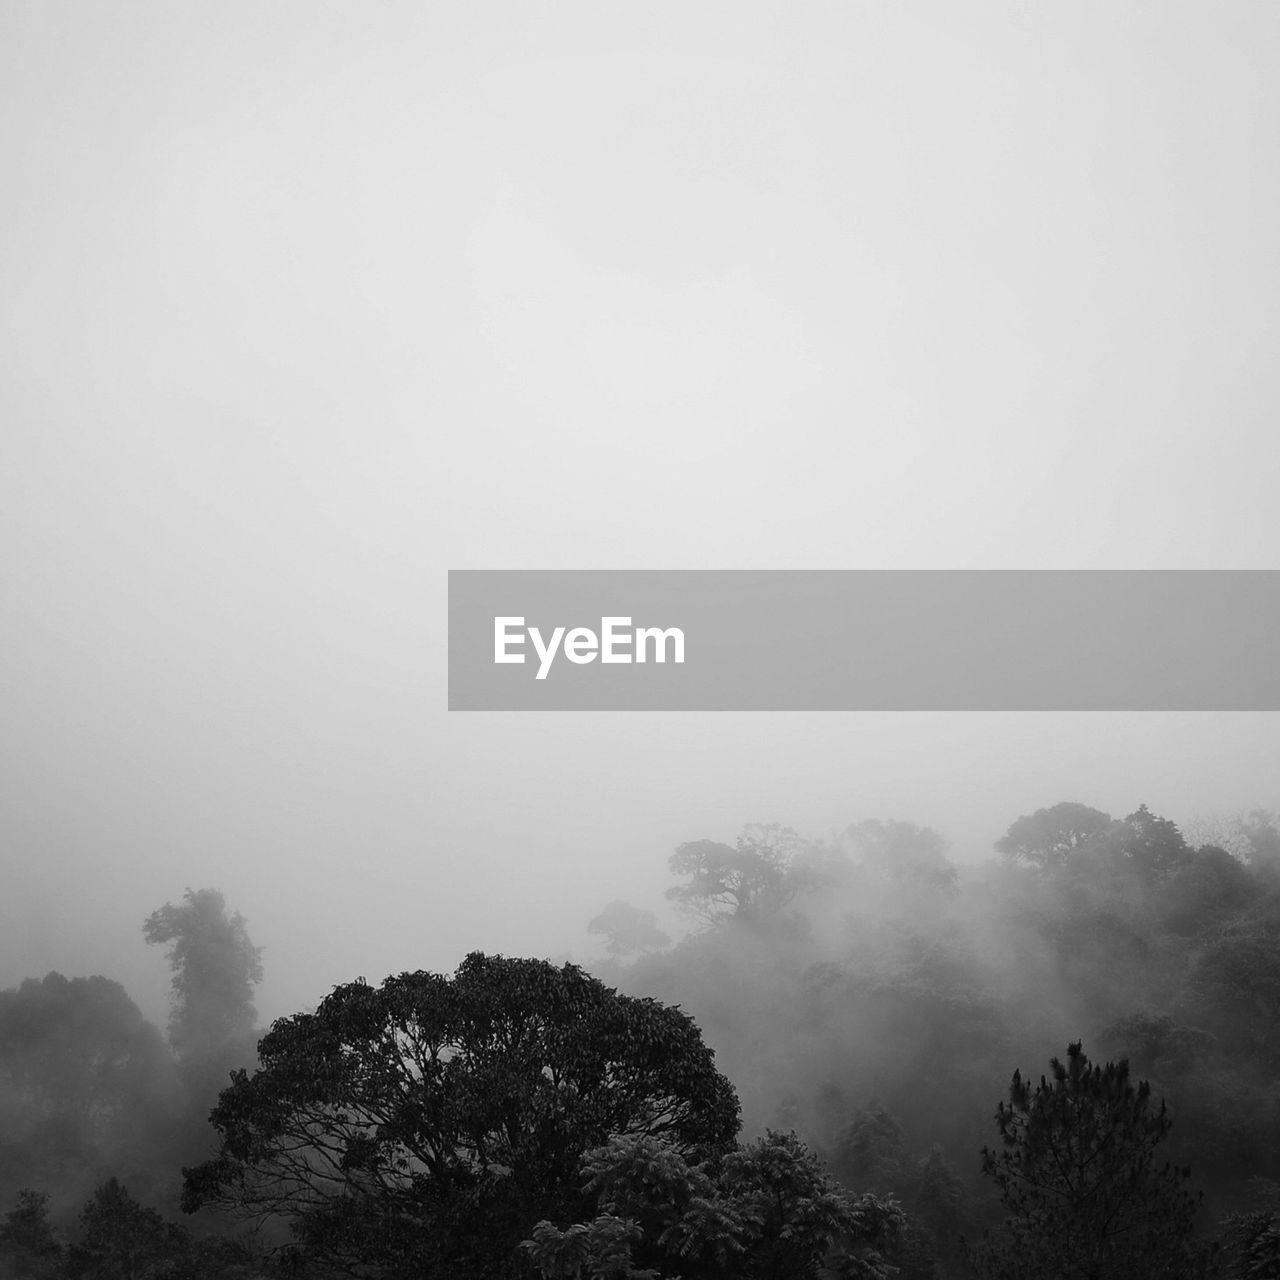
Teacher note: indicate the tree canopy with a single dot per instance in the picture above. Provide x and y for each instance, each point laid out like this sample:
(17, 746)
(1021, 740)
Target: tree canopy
(86, 1083)
(430, 1122)
(749, 880)
(122, 1240)
(766, 1211)
(78, 1048)
(1046, 837)
(27, 1241)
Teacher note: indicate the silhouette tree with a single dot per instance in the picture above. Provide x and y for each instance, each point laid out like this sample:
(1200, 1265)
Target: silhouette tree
(423, 1127)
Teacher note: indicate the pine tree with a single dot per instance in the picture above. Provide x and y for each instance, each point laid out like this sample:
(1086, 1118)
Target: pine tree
(1078, 1177)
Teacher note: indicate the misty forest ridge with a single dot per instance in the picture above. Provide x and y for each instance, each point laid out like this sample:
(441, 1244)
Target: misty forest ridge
(863, 1061)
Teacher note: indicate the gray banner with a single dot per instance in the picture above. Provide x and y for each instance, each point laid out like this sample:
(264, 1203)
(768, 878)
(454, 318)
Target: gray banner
(687, 640)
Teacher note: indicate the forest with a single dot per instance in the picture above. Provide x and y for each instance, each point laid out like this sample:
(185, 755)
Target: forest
(863, 1059)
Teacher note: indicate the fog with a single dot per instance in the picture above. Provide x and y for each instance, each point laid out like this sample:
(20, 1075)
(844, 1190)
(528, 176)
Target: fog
(509, 833)
(304, 306)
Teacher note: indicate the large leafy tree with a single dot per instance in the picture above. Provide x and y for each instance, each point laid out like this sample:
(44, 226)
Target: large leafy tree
(423, 1127)
(1046, 838)
(1079, 1180)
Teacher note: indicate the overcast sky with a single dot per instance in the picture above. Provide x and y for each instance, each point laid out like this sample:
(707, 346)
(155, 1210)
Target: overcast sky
(305, 304)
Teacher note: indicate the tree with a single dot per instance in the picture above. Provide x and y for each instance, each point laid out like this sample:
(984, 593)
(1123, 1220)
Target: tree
(86, 1084)
(1158, 1043)
(902, 852)
(766, 1211)
(1253, 1246)
(871, 1151)
(936, 1199)
(1077, 1175)
(78, 1048)
(1253, 837)
(424, 1126)
(1153, 845)
(1047, 837)
(1205, 890)
(1235, 983)
(600, 1249)
(627, 930)
(122, 1240)
(215, 969)
(26, 1238)
(749, 880)
(1261, 832)
(802, 1222)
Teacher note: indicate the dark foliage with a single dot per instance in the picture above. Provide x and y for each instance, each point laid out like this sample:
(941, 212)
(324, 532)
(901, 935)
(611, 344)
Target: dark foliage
(424, 1126)
(766, 1211)
(87, 1086)
(122, 1240)
(28, 1246)
(1079, 1180)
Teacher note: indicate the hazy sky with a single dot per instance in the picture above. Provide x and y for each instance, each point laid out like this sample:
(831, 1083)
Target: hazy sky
(305, 304)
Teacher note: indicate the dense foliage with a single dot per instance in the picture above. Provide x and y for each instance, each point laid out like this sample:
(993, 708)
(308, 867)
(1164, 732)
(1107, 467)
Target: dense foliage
(87, 1087)
(766, 1211)
(865, 994)
(422, 1127)
(1085, 1194)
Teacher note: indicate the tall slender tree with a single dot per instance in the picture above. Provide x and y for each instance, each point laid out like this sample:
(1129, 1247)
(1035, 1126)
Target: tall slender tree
(215, 969)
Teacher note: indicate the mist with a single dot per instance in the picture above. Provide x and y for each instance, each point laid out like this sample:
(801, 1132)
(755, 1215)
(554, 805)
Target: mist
(304, 307)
